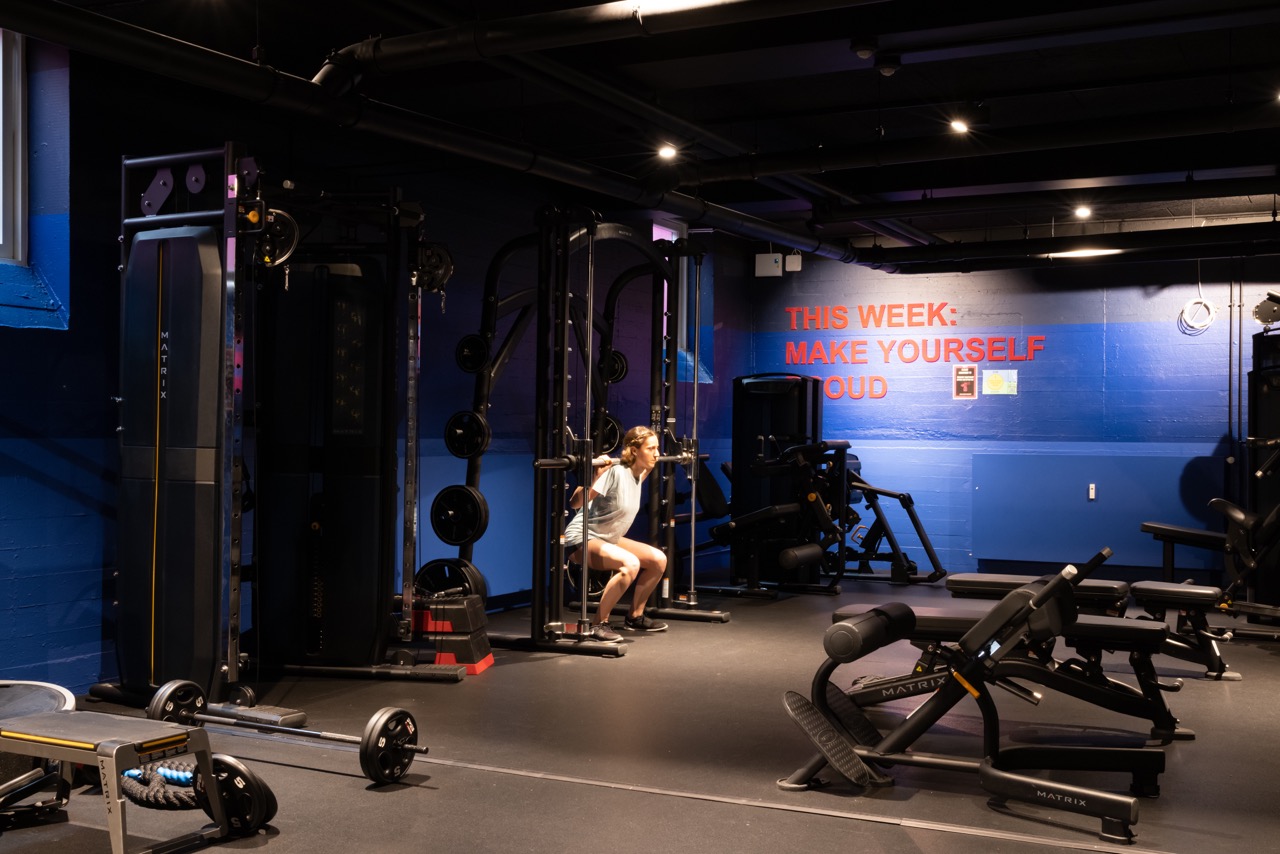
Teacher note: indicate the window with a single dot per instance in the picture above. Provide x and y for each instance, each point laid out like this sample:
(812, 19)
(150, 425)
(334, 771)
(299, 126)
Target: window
(35, 209)
(13, 157)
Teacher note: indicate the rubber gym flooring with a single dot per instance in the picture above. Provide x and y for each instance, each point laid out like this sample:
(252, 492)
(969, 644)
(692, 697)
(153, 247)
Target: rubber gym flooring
(678, 746)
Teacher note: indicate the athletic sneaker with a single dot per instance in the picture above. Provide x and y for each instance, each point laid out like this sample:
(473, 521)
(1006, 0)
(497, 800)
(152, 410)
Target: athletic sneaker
(604, 633)
(643, 623)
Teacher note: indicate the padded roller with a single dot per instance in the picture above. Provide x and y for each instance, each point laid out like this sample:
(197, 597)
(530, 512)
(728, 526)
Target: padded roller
(806, 555)
(851, 639)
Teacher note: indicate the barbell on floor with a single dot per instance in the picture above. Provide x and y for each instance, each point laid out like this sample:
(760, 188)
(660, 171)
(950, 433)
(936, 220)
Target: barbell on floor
(387, 747)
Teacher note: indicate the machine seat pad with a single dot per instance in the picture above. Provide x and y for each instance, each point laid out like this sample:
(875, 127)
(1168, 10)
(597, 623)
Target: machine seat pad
(993, 585)
(1175, 595)
(1197, 537)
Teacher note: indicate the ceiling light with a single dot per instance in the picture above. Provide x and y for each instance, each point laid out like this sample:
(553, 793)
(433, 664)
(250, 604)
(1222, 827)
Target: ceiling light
(1084, 253)
(888, 64)
(667, 151)
(863, 48)
(969, 116)
(1083, 212)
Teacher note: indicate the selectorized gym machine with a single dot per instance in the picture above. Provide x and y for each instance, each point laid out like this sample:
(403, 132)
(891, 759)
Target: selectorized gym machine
(182, 480)
(258, 376)
(794, 526)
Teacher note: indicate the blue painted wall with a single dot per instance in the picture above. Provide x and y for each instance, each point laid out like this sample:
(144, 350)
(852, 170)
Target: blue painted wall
(1109, 387)
(57, 445)
(1091, 362)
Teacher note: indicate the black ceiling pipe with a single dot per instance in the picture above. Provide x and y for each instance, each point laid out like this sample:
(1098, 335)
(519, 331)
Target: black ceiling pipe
(1096, 197)
(96, 35)
(546, 30)
(953, 146)
(1192, 242)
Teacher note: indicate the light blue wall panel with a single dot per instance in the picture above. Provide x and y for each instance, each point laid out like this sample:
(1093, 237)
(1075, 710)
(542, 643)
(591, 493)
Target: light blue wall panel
(1035, 506)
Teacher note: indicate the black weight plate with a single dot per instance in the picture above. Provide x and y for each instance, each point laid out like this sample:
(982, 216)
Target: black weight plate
(472, 353)
(384, 757)
(459, 514)
(467, 434)
(245, 797)
(243, 695)
(177, 701)
(451, 573)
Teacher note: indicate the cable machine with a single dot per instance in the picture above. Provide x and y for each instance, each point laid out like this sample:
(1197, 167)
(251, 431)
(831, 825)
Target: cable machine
(181, 456)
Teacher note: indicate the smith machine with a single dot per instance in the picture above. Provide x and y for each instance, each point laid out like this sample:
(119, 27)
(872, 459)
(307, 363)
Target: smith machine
(558, 449)
(238, 358)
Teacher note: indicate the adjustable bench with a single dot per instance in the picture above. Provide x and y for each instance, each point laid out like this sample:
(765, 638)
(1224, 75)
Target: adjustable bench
(1191, 640)
(1084, 678)
(114, 744)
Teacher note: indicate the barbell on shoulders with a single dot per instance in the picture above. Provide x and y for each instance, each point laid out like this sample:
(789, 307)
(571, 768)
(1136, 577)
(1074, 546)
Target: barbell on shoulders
(572, 461)
(387, 747)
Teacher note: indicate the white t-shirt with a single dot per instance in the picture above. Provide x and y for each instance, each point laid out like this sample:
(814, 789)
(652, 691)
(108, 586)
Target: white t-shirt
(611, 512)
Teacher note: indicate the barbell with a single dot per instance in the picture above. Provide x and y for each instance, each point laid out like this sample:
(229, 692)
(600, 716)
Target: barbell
(387, 746)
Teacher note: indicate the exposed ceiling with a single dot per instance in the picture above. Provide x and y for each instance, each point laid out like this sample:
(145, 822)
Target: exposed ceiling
(821, 126)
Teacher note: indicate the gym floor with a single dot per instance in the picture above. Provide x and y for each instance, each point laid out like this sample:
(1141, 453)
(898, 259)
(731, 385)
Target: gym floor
(678, 746)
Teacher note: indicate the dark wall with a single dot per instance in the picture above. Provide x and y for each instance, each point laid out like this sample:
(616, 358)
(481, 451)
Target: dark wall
(1116, 379)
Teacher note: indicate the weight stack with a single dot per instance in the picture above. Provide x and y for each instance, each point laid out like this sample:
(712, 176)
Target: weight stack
(457, 627)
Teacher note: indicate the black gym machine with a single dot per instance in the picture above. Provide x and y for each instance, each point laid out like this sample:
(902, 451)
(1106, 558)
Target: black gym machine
(850, 743)
(258, 371)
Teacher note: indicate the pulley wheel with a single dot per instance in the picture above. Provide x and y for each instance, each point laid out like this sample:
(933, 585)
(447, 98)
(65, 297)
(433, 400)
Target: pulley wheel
(451, 573)
(459, 515)
(384, 756)
(467, 434)
(613, 366)
(472, 353)
(434, 267)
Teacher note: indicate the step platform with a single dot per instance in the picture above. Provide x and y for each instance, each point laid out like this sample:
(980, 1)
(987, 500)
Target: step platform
(114, 744)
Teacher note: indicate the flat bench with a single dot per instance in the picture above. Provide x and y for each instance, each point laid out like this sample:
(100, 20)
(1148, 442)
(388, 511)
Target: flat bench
(1092, 595)
(114, 744)
(1191, 640)
(945, 625)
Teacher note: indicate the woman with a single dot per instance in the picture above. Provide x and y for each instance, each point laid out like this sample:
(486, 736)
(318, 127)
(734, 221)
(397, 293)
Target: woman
(612, 506)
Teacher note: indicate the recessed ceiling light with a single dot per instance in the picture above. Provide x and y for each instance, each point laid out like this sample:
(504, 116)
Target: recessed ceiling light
(1083, 212)
(959, 126)
(667, 152)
